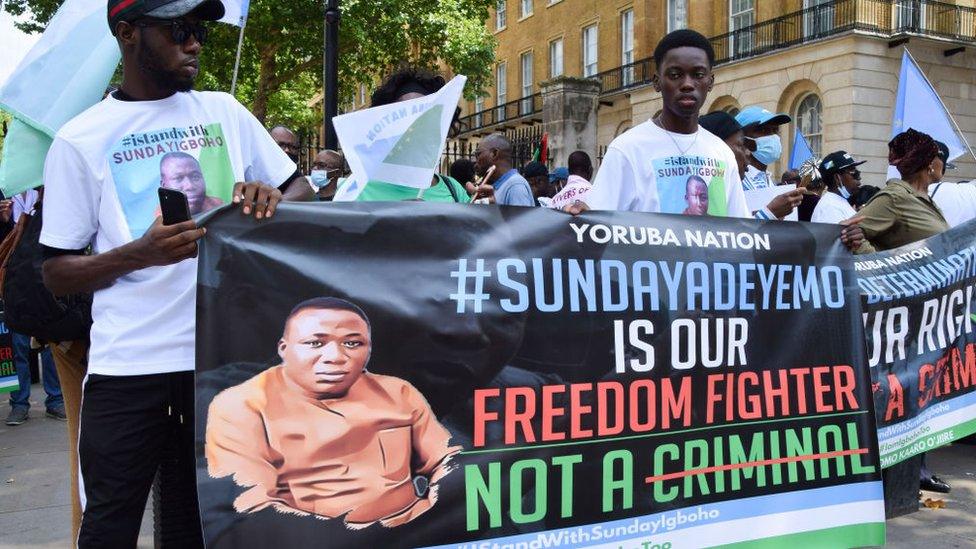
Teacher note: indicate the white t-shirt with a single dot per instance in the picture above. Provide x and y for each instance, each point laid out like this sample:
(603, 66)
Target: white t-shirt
(832, 208)
(101, 179)
(644, 170)
(575, 189)
(956, 200)
(757, 179)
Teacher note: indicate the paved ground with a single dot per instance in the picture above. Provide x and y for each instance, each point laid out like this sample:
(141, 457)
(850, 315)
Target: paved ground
(34, 482)
(34, 509)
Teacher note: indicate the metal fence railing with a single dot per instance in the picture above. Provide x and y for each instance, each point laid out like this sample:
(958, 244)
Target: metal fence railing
(524, 140)
(512, 111)
(887, 18)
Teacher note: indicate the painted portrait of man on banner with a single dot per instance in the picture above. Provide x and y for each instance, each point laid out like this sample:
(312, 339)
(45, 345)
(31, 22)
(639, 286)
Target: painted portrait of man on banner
(318, 434)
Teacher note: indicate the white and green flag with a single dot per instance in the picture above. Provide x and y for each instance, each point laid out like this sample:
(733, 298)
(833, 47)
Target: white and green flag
(65, 72)
(400, 143)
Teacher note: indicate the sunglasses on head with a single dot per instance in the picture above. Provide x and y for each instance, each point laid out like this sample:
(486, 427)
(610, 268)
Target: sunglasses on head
(182, 30)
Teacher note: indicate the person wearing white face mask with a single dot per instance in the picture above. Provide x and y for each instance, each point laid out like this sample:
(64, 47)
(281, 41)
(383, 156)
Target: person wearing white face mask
(761, 129)
(840, 173)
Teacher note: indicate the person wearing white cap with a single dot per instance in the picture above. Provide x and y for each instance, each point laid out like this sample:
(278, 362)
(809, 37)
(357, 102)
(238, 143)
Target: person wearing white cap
(840, 174)
(761, 129)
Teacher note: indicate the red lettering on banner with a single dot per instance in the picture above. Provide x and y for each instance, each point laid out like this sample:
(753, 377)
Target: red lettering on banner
(577, 409)
(678, 406)
(550, 412)
(603, 389)
(925, 373)
(522, 418)
(896, 398)
(481, 415)
(749, 407)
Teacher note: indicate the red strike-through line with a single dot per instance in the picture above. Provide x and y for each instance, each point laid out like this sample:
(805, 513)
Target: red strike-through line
(776, 461)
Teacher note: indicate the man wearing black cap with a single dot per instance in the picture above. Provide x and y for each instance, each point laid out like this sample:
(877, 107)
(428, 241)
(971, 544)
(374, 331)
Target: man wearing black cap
(537, 175)
(101, 177)
(956, 200)
(840, 174)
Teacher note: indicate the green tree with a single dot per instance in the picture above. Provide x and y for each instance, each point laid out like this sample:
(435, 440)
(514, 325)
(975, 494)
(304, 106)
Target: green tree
(281, 63)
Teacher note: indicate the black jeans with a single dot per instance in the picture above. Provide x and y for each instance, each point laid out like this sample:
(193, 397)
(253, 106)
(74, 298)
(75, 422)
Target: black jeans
(130, 427)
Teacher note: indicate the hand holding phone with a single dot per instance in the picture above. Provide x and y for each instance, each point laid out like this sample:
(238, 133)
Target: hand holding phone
(174, 206)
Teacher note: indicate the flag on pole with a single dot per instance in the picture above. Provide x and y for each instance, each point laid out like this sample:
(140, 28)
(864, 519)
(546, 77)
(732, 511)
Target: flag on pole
(801, 151)
(400, 143)
(65, 72)
(235, 12)
(918, 106)
(541, 154)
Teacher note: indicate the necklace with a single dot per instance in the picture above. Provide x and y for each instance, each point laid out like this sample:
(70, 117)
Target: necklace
(681, 152)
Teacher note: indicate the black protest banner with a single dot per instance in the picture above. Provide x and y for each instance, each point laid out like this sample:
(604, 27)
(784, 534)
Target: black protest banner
(531, 379)
(918, 321)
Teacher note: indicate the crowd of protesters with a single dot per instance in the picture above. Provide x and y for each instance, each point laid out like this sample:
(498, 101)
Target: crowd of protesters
(140, 356)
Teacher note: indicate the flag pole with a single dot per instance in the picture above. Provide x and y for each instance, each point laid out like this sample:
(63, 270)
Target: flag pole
(939, 97)
(237, 60)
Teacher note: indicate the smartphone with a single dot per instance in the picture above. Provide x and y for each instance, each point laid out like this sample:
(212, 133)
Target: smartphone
(174, 206)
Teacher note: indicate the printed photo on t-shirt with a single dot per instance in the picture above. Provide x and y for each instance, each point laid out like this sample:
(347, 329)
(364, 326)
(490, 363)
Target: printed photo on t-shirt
(193, 160)
(691, 185)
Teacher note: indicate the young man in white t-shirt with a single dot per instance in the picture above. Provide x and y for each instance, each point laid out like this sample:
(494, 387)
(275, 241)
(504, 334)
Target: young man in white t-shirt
(658, 166)
(101, 178)
(647, 168)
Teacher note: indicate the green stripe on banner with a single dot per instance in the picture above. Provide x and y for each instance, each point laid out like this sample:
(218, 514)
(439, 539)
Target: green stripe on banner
(929, 442)
(854, 535)
(9, 385)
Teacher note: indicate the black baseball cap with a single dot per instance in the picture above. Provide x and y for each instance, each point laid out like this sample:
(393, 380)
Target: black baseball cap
(130, 10)
(534, 169)
(720, 123)
(944, 155)
(837, 161)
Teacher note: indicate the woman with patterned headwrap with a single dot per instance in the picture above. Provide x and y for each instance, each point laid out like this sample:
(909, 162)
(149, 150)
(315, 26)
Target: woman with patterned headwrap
(902, 212)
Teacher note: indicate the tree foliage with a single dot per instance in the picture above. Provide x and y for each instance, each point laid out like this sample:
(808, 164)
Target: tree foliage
(281, 62)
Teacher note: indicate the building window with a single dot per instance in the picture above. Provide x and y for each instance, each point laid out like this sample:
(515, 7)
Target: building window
(556, 58)
(627, 46)
(501, 91)
(479, 106)
(526, 8)
(741, 17)
(589, 51)
(910, 14)
(500, 14)
(525, 62)
(677, 14)
(808, 119)
(818, 17)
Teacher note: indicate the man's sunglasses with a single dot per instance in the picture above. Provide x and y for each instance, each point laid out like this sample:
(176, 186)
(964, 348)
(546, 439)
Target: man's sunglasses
(182, 30)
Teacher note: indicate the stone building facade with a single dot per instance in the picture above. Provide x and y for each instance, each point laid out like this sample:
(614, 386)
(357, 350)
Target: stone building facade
(832, 65)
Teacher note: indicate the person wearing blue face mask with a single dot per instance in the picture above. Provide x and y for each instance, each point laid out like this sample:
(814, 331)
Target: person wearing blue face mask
(326, 169)
(840, 173)
(761, 129)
